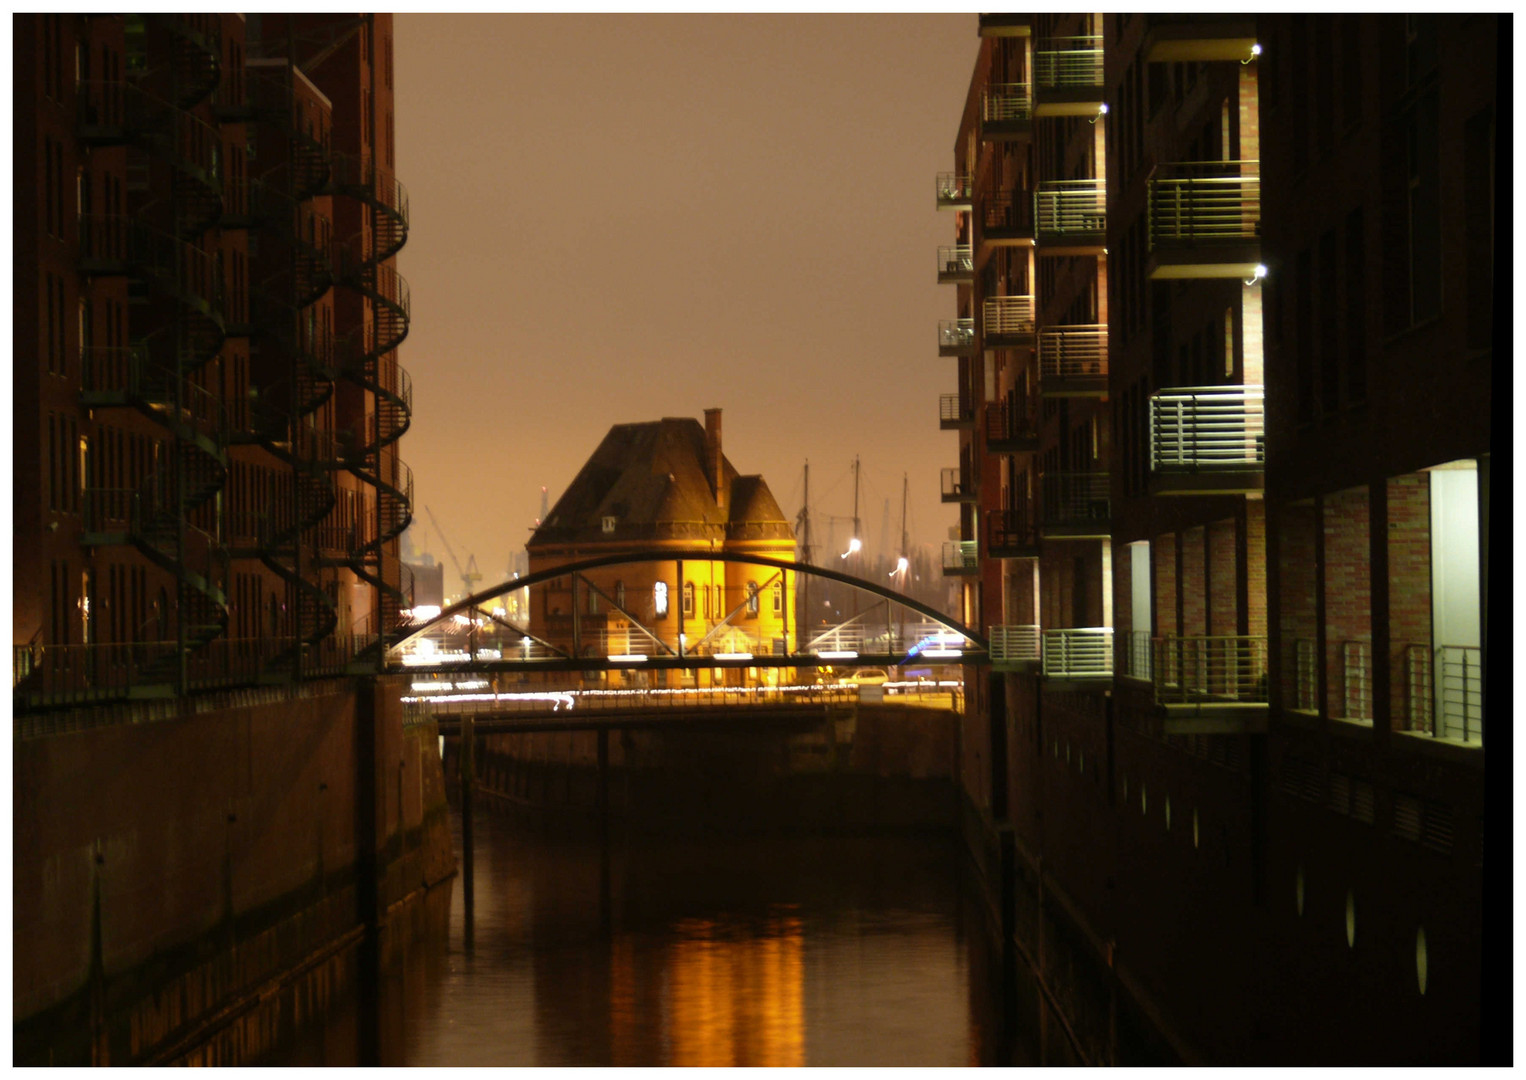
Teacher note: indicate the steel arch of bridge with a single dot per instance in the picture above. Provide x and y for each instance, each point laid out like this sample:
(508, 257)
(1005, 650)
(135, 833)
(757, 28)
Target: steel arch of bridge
(699, 555)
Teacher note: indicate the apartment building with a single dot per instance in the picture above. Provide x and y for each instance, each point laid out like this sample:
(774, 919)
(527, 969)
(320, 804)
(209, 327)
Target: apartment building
(207, 396)
(1224, 332)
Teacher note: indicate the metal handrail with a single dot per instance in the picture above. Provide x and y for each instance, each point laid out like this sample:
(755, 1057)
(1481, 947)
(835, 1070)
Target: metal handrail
(952, 409)
(1139, 656)
(1195, 201)
(1006, 102)
(1009, 528)
(1199, 669)
(1014, 644)
(1305, 675)
(1356, 679)
(1008, 315)
(1073, 352)
(1459, 692)
(953, 188)
(1071, 206)
(1075, 497)
(958, 259)
(1078, 652)
(1207, 427)
(956, 333)
(953, 482)
(960, 555)
(1069, 62)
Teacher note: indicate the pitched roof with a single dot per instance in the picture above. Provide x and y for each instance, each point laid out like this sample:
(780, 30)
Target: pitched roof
(651, 478)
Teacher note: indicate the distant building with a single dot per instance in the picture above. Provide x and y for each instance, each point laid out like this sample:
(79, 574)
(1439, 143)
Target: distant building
(428, 579)
(654, 487)
(1224, 291)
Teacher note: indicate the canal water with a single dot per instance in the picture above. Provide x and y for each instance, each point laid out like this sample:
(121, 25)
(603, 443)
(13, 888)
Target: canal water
(714, 951)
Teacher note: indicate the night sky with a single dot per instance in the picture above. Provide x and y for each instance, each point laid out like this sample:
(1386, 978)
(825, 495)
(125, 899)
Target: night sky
(620, 218)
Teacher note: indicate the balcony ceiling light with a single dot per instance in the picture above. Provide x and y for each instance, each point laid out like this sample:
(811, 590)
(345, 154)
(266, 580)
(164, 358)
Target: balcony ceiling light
(1255, 51)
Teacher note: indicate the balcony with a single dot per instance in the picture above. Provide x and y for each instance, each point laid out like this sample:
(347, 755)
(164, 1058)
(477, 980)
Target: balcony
(1006, 220)
(1080, 656)
(1014, 648)
(956, 265)
(1205, 220)
(960, 558)
(954, 192)
(1007, 322)
(1010, 534)
(1010, 428)
(956, 337)
(1006, 112)
(1074, 506)
(1067, 76)
(957, 486)
(1006, 24)
(1207, 440)
(954, 413)
(1073, 361)
(1173, 39)
(1071, 217)
(1448, 707)
(1211, 685)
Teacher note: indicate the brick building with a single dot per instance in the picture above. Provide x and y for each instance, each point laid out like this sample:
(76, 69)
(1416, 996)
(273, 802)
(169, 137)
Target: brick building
(207, 396)
(1224, 329)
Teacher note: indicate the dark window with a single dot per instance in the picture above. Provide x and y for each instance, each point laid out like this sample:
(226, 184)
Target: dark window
(1303, 321)
(1329, 324)
(1356, 307)
(1478, 210)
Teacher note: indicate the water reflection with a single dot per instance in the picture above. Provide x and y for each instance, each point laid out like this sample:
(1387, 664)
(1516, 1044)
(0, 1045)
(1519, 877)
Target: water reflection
(692, 951)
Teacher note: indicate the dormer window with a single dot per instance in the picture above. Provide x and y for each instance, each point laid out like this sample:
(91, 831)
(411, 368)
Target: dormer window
(609, 523)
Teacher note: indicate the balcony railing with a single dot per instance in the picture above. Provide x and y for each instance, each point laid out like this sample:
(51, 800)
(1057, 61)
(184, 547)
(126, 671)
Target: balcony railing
(956, 337)
(1079, 653)
(1138, 657)
(1075, 503)
(1007, 217)
(960, 557)
(1073, 360)
(1071, 212)
(1219, 670)
(1305, 675)
(1007, 317)
(956, 264)
(954, 411)
(954, 192)
(956, 486)
(1010, 427)
(1068, 63)
(1205, 202)
(1445, 681)
(1356, 680)
(1006, 110)
(1013, 646)
(1204, 428)
(1010, 534)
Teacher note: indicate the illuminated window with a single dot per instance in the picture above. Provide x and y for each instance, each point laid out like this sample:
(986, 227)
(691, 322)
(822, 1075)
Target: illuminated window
(752, 598)
(660, 599)
(778, 591)
(688, 599)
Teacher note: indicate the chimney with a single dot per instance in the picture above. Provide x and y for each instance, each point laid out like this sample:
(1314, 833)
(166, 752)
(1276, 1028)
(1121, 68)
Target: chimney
(715, 471)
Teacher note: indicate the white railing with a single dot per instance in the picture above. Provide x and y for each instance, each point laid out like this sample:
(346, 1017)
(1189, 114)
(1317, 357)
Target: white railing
(1140, 646)
(1197, 201)
(1203, 669)
(1066, 207)
(1459, 692)
(1208, 427)
(1075, 498)
(958, 259)
(953, 189)
(1079, 653)
(956, 334)
(1068, 62)
(1014, 644)
(1356, 680)
(952, 410)
(1305, 675)
(1007, 102)
(960, 555)
(953, 483)
(1008, 315)
(1073, 353)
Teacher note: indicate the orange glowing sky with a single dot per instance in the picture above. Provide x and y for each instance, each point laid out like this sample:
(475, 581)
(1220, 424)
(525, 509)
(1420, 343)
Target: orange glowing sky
(620, 218)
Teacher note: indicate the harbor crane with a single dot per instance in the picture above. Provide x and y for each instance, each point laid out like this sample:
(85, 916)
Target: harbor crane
(469, 576)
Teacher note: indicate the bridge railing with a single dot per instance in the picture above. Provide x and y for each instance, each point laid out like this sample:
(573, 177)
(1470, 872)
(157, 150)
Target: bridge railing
(418, 707)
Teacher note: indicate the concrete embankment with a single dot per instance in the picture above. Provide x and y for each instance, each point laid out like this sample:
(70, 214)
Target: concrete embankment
(173, 871)
(864, 766)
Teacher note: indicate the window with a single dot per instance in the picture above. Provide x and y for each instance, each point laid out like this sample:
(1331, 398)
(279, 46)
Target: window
(778, 591)
(688, 599)
(752, 598)
(620, 594)
(660, 599)
(609, 523)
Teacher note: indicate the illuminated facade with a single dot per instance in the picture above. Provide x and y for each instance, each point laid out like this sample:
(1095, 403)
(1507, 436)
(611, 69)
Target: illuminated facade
(651, 488)
(207, 396)
(1224, 327)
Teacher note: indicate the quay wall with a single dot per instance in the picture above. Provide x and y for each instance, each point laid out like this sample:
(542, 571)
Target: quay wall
(174, 866)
